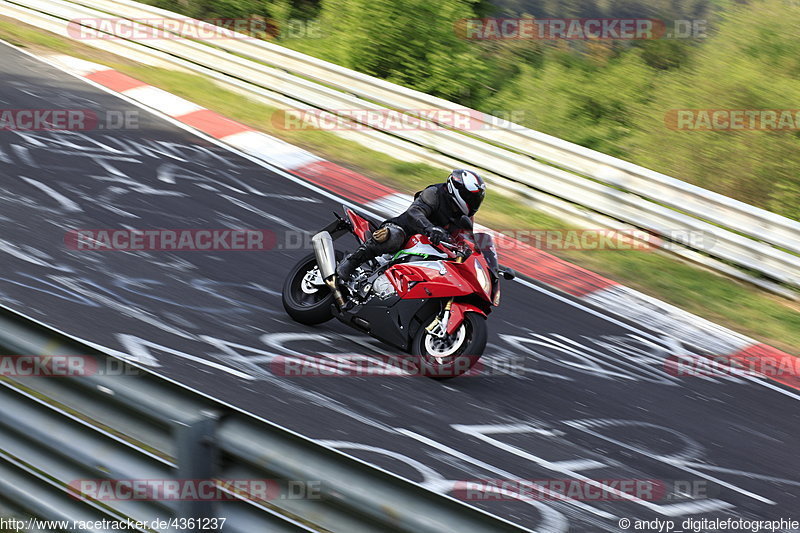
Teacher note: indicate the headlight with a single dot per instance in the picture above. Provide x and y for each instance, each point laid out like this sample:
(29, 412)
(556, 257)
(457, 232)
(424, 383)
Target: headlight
(483, 279)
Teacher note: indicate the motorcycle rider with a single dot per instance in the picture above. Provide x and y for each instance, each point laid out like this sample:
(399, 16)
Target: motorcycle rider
(437, 211)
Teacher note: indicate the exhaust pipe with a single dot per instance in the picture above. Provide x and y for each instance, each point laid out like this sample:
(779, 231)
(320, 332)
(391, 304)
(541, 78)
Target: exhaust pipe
(323, 250)
(326, 260)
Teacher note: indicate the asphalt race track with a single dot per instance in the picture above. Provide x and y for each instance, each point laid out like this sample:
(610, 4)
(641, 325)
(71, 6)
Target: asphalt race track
(566, 392)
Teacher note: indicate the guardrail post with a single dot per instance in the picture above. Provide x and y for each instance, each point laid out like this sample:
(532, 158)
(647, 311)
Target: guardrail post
(197, 454)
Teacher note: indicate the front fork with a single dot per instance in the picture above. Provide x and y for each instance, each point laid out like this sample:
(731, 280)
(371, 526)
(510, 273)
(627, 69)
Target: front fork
(438, 328)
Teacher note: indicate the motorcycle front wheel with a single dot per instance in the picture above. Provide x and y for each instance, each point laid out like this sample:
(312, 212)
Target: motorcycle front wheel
(305, 298)
(453, 355)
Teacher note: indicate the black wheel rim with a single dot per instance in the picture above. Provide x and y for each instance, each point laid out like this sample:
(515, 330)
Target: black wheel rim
(302, 298)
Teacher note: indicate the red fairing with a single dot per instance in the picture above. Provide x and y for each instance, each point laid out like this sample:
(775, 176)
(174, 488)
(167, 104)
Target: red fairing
(360, 225)
(466, 271)
(457, 312)
(412, 281)
(402, 278)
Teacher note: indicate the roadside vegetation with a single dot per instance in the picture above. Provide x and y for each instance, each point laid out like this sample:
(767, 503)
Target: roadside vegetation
(611, 96)
(741, 307)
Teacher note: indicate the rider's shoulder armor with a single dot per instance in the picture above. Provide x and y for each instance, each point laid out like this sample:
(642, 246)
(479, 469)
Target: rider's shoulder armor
(430, 195)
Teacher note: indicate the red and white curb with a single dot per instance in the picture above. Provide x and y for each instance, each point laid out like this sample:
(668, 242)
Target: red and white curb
(527, 260)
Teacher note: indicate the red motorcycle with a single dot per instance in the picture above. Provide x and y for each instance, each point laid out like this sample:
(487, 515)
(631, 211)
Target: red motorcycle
(431, 301)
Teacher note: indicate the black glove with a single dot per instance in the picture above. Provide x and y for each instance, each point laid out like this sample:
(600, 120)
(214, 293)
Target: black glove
(436, 234)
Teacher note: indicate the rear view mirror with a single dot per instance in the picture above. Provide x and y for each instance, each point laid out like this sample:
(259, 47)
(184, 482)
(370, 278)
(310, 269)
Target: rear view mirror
(508, 273)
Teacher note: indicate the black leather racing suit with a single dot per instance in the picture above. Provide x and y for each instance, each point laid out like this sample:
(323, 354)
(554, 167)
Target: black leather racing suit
(431, 207)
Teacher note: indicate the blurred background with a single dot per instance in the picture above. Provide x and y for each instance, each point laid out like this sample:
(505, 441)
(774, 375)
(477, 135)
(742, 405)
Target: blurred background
(583, 350)
(608, 95)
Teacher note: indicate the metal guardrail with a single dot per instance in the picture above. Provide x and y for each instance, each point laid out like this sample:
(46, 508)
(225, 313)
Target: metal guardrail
(606, 169)
(57, 430)
(741, 235)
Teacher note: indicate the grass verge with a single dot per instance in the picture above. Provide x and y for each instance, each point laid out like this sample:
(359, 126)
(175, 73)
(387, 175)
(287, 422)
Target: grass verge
(741, 307)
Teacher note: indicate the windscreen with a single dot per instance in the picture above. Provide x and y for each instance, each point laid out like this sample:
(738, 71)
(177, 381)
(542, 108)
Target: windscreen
(485, 244)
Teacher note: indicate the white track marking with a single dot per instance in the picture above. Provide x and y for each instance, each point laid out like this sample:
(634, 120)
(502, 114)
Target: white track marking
(329, 195)
(579, 464)
(751, 475)
(675, 509)
(430, 477)
(65, 202)
(196, 133)
(506, 428)
(677, 463)
(499, 471)
(660, 340)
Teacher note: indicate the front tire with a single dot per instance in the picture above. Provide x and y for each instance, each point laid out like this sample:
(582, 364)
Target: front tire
(304, 299)
(454, 355)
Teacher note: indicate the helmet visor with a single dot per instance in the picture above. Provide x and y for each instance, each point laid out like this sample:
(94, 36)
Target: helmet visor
(474, 201)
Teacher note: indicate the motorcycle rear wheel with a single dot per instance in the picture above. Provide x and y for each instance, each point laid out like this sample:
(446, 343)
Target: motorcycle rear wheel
(456, 354)
(303, 301)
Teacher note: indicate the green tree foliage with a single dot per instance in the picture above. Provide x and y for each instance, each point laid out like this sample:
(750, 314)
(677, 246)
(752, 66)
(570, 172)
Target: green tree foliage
(667, 9)
(410, 42)
(609, 96)
(752, 62)
(585, 100)
(213, 8)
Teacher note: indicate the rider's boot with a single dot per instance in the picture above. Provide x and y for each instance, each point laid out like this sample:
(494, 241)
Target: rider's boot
(367, 251)
(349, 264)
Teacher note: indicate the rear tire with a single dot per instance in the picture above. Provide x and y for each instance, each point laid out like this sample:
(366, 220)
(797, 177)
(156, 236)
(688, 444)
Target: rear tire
(303, 301)
(435, 359)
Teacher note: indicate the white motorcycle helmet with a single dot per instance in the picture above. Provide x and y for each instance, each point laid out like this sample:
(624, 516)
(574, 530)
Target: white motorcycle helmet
(467, 190)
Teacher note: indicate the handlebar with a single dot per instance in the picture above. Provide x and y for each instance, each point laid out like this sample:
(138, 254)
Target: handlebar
(461, 251)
